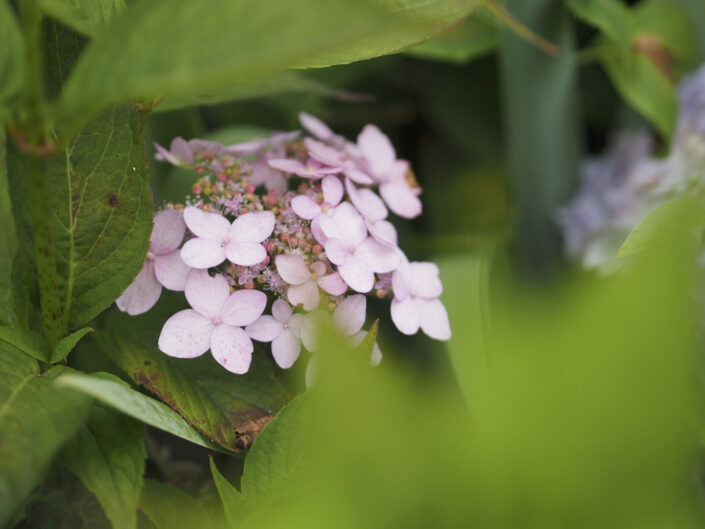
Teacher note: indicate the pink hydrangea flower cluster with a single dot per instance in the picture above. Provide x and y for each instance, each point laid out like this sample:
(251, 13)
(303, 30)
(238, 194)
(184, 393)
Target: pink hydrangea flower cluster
(299, 219)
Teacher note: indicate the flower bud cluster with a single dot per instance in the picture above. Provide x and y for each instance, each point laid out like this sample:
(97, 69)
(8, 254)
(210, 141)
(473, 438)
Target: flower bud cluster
(298, 219)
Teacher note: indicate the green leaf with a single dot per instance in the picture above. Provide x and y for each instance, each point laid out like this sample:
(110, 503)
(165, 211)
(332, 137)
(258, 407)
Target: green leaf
(108, 456)
(65, 346)
(168, 507)
(141, 57)
(671, 24)
(275, 455)
(86, 16)
(474, 37)
(36, 419)
(112, 392)
(216, 402)
(610, 16)
(660, 225)
(100, 210)
(232, 501)
(12, 63)
(27, 341)
(70, 506)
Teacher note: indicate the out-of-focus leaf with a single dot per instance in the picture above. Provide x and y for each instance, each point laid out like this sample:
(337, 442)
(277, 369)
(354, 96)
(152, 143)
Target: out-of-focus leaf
(274, 456)
(114, 393)
(36, 419)
(473, 37)
(100, 209)
(27, 341)
(171, 508)
(108, 456)
(86, 16)
(610, 16)
(142, 57)
(66, 345)
(685, 212)
(12, 63)
(670, 24)
(216, 402)
(233, 504)
(71, 506)
(7, 243)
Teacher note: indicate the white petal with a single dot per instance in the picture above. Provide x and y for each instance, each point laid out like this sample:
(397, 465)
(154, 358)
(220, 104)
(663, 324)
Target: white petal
(401, 199)
(402, 282)
(171, 271)
(344, 223)
(294, 324)
(332, 189)
(305, 294)
(245, 253)
(205, 224)
(317, 231)
(380, 257)
(286, 349)
(282, 311)
(252, 227)
(243, 307)
(315, 126)
(322, 153)
(232, 348)
(202, 253)
(333, 284)
(366, 201)
(425, 280)
(383, 231)
(336, 251)
(182, 150)
(142, 294)
(309, 328)
(350, 314)
(405, 315)
(168, 232)
(377, 149)
(187, 334)
(357, 274)
(358, 176)
(264, 329)
(305, 207)
(434, 318)
(292, 268)
(206, 294)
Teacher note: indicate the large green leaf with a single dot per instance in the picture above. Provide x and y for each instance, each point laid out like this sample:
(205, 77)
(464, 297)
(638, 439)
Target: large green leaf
(170, 508)
(221, 405)
(36, 418)
(100, 208)
(27, 341)
(108, 456)
(230, 497)
(142, 57)
(87, 16)
(12, 64)
(113, 392)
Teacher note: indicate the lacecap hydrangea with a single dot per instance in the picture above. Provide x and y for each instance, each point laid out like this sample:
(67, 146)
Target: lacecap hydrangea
(296, 222)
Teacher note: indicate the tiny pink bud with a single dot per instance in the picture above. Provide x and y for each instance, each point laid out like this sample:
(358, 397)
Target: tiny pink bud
(293, 241)
(249, 188)
(198, 168)
(273, 199)
(317, 249)
(266, 260)
(269, 246)
(197, 190)
(222, 177)
(250, 285)
(284, 236)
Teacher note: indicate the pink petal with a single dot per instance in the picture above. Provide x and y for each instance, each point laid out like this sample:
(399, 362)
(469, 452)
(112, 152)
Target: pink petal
(366, 201)
(205, 224)
(426, 283)
(433, 318)
(142, 294)
(243, 307)
(282, 311)
(286, 349)
(336, 251)
(187, 334)
(357, 274)
(246, 148)
(206, 294)
(275, 180)
(232, 348)
(333, 284)
(317, 231)
(264, 329)
(332, 189)
(382, 230)
(405, 315)
(252, 227)
(305, 207)
(344, 223)
(350, 314)
(309, 328)
(358, 176)
(315, 126)
(202, 253)
(322, 153)
(164, 155)
(181, 149)
(171, 271)
(288, 166)
(401, 199)
(292, 268)
(305, 294)
(168, 232)
(402, 281)
(380, 257)
(377, 149)
(294, 324)
(245, 253)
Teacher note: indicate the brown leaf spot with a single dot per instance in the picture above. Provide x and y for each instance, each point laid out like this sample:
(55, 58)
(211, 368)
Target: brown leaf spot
(113, 201)
(247, 433)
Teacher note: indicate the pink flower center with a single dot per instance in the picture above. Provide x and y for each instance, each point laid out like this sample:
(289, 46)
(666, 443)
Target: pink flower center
(150, 256)
(217, 320)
